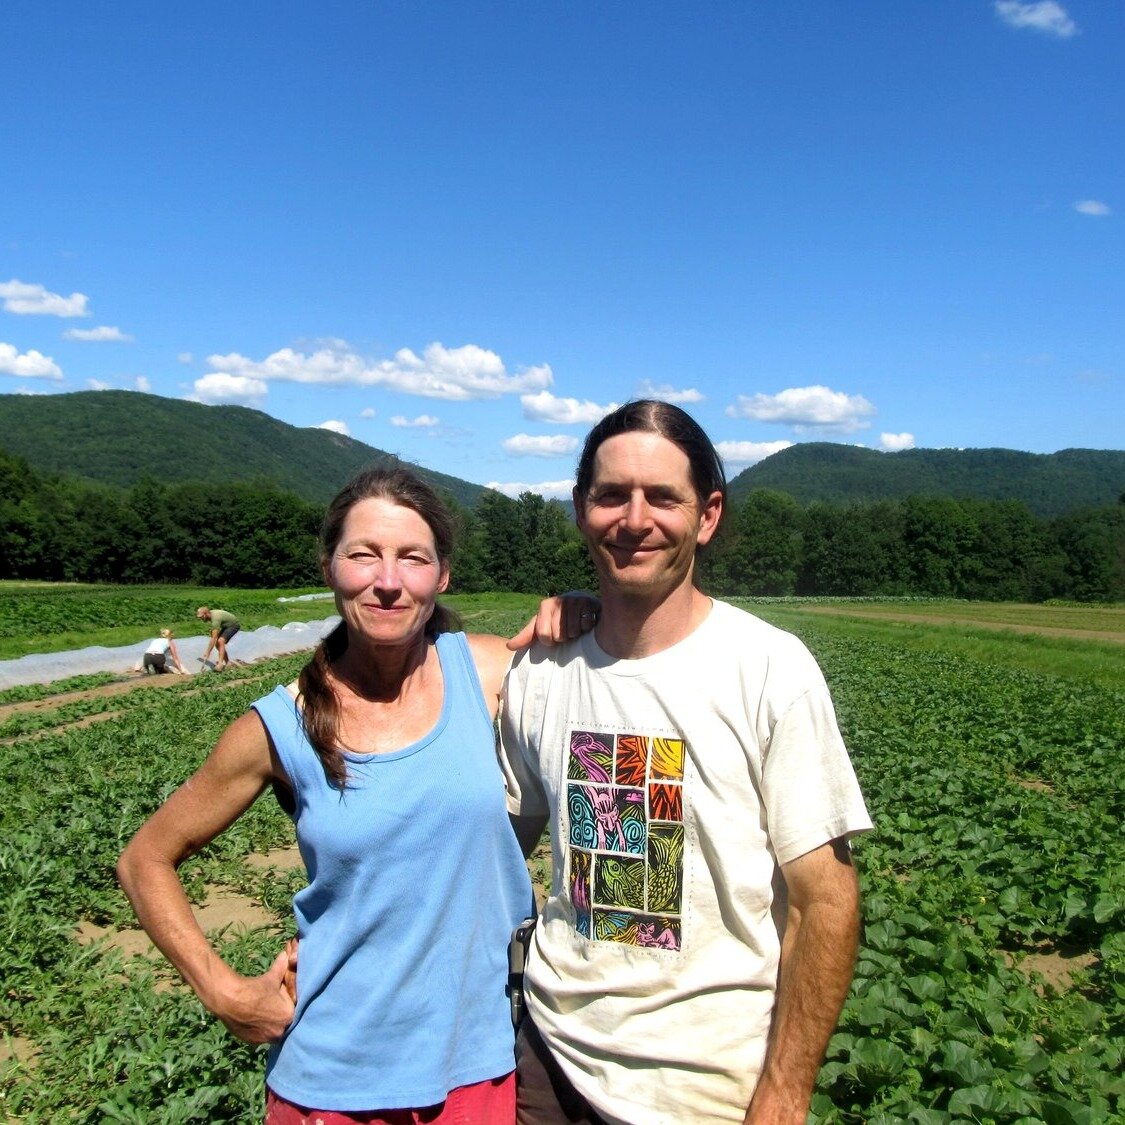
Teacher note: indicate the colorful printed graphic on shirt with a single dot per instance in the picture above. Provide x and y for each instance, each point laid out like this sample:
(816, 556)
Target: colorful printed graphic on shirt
(625, 851)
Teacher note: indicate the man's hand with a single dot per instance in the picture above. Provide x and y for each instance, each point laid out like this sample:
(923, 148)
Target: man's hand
(559, 619)
(292, 946)
(259, 1009)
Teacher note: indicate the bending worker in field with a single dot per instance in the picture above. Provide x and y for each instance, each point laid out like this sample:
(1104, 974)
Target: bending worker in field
(223, 626)
(155, 658)
(383, 753)
(699, 940)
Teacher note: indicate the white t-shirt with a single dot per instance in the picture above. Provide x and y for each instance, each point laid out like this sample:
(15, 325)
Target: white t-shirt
(675, 785)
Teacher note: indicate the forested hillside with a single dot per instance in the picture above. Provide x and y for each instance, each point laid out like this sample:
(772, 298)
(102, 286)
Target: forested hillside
(121, 437)
(1050, 484)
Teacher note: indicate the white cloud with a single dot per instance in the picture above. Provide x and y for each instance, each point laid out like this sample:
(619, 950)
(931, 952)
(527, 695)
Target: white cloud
(892, 443)
(455, 374)
(1093, 207)
(748, 452)
(105, 332)
(669, 394)
(28, 365)
(217, 387)
(335, 427)
(545, 445)
(184, 357)
(142, 384)
(1091, 377)
(421, 422)
(548, 489)
(1039, 15)
(99, 385)
(34, 300)
(367, 412)
(806, 408)
(545, 407)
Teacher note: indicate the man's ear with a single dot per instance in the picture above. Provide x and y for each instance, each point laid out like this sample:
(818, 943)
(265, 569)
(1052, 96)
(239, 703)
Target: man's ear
(709, 518)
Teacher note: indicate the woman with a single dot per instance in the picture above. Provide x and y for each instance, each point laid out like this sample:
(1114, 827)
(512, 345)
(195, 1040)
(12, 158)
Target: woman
(156, 655)
(383, 752)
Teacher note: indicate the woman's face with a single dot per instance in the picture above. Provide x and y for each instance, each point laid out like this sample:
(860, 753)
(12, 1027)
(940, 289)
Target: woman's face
(385, 572)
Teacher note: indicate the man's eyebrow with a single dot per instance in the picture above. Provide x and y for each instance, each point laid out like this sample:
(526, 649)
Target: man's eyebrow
(653, 491)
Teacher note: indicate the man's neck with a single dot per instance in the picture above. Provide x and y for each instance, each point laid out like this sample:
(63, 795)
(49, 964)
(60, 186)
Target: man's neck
(633, 626)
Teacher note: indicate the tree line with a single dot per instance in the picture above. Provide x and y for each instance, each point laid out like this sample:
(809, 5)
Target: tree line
(256, 535)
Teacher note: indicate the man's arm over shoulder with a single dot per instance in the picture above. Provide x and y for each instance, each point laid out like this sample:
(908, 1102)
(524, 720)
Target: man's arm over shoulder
(817, 961)
(520, 726)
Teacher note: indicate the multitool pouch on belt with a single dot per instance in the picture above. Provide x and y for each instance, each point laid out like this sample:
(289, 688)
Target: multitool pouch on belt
(517, 958)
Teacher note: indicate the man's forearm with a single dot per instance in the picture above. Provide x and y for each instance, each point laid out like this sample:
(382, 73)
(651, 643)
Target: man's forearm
(817, 961)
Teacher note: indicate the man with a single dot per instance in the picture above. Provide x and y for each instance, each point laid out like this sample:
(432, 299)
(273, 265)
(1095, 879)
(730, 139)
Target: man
(699, 940)
(223, 626)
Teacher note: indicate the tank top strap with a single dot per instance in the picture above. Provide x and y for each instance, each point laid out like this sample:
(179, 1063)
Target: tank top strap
(459, 670)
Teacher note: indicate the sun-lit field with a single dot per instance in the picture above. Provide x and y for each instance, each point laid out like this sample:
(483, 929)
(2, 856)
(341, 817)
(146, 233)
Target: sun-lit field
(991, 982)
(1086, 643)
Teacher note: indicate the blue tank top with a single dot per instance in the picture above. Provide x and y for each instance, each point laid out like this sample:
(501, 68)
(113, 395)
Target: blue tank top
(416, 882)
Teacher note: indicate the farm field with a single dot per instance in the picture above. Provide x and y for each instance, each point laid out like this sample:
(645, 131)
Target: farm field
(991, 981)
(55, 617)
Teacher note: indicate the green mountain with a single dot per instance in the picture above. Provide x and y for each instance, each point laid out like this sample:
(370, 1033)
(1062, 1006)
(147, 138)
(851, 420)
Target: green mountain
(118, 437)
(1050, 484)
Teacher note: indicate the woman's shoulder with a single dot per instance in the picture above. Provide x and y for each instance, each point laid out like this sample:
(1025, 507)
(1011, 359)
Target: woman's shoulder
(491, 657)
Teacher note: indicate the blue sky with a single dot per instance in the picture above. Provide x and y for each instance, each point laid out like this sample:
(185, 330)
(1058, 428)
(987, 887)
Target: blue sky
(462, 232)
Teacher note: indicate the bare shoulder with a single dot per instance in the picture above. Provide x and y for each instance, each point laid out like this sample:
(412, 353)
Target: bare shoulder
(492, 657)
(243, 749)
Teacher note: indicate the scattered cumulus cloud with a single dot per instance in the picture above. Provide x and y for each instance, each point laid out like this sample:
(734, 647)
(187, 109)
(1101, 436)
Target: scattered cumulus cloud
(1040, 15)
(892, 443)
(142, 384)
(1093, 207)
(458, 374)
(422, 422)
(219, 388)
(105, 332)
(335, 427)
(367, 412)
(669, 394)
(27, 365)
(545, 445)
(548, 489)
(546, 407)
(34, 300)
(806, 408)
(744, 453)
(1091, 377)
(99, 385)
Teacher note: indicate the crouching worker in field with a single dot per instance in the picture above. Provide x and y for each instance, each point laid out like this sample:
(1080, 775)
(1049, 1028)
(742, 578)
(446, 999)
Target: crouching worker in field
(155, 658)
(383, 753)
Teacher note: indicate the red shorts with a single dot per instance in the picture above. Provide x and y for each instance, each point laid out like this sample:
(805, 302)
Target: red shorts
(492, 1102)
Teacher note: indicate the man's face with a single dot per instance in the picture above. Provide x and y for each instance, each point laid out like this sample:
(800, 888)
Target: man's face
(641, 518)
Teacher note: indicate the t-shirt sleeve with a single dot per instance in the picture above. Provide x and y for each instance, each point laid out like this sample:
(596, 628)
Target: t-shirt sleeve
(518, 745)
(809, 787)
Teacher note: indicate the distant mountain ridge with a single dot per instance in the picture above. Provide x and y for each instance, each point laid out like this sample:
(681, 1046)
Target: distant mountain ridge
(118, 437)
(1050, 484)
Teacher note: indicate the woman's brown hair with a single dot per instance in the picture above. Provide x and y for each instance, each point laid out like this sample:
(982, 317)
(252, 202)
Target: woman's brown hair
(320, 713)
